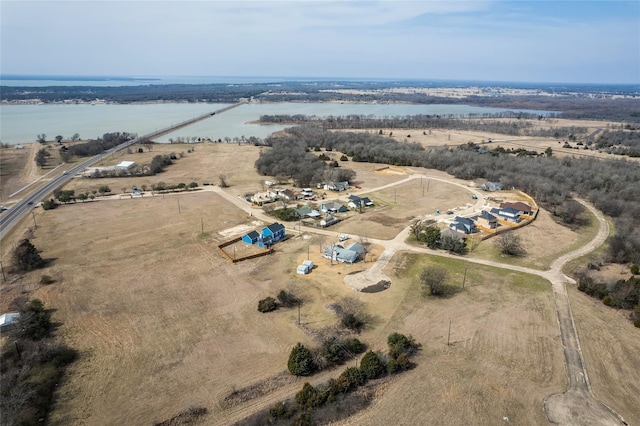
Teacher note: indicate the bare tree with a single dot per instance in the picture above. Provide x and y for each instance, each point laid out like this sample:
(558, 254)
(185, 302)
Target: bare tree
(223, 181)
(510, 244)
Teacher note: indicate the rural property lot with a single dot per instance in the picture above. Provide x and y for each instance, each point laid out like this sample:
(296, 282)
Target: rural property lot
(163, 322)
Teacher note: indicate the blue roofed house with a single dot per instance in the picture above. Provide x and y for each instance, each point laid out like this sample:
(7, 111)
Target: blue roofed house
(463, 224)
(356, 202)
(251, 238)
(272, 233)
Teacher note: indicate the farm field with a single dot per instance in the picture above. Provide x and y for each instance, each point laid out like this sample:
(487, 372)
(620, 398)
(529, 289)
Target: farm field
(163, 322)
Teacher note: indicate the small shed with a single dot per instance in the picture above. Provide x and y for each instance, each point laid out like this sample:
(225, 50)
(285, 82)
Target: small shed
(302, 269)
(9, 320)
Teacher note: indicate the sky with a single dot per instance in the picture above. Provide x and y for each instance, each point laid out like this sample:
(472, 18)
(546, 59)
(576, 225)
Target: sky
(520, 41)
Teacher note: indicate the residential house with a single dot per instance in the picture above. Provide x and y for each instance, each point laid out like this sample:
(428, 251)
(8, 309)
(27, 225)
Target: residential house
(332, 207)
(306, 211)
(329, 220)
(508, 214)
(523, 208)
(336, 186)
(338, 253)
(356, 202)
(358, 248)
(463, 224)
(272, 234)
(289, 194)
(251, 238)
(492, 186)
(486, 220)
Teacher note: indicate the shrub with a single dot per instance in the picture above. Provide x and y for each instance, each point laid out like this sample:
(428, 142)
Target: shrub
(25, 257)
(400, 344)
(351, 322)
(637, 323)
(267, 304)
(635, 269)
(351, 378)
(35, 321)
(300, 361)
(49, 204)
(46, 279)
(354, 345)
(393, 367)
(288, 299)
(371, 366)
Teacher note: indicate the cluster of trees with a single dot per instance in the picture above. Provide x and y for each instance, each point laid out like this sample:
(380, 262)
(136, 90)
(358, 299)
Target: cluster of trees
(69, 196)
(373, 365)
(432, 237)
(291, 158)
(613, 186)
(285, 299)
(32, 366)
(32, 362)
(489, 123)
(96, 146)
(26, 257)
(41, 157)
(623, 294)
(627, 141)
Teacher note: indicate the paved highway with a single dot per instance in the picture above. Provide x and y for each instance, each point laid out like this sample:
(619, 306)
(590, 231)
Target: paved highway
(12, 216)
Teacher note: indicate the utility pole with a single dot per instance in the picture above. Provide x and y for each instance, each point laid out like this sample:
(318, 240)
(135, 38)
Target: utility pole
(298, 313)
(179, 211)
(35, 225)
(202, 225)
(464, 278)
(449, 334)
(4, 278)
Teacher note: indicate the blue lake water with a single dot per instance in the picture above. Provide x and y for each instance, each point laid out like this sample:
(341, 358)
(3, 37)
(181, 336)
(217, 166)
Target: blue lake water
(21, 123)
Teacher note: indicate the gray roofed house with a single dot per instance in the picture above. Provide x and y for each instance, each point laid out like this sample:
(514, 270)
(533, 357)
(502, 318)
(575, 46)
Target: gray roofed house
(492, 186)
(487, 220)
(333, 207)
(339, 253)
(463, 224)
(508, 214)
(358, 248)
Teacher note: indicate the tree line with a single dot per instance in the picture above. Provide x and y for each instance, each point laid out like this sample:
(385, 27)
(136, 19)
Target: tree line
(613, 186)
(291, 158)
(567, 102)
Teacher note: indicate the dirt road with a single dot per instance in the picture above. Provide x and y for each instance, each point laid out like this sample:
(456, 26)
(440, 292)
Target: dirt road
(577, 405)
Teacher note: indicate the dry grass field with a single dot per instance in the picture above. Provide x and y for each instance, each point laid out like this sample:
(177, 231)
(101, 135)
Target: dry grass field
(505, 355)
(611, 349)
(544, 241)
(163, 322)
(453, 138)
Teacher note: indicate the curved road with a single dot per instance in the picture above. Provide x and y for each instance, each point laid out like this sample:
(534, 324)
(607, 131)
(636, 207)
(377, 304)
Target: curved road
(577, 405)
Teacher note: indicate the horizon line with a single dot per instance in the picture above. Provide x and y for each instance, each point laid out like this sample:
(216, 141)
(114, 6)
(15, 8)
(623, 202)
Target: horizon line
(90, 77)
